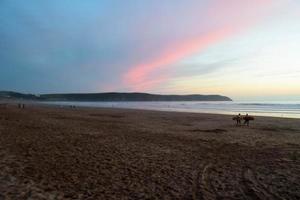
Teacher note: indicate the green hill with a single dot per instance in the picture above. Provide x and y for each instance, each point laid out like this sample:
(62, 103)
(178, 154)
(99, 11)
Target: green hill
(131, 97)
(111, 96)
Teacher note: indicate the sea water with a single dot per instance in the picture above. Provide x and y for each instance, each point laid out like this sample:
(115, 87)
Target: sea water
(288, 109)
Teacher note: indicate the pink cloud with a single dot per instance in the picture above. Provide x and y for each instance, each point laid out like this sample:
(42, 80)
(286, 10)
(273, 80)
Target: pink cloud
(138, 75)
(231, 16)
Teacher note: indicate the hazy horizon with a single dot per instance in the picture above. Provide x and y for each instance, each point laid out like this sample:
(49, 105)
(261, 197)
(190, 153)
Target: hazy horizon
(246, 50)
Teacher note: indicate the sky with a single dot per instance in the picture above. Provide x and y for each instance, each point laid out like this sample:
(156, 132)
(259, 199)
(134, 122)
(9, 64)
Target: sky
(244, 49)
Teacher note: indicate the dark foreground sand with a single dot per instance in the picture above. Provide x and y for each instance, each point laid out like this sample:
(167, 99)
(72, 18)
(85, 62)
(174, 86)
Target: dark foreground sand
(63, 153)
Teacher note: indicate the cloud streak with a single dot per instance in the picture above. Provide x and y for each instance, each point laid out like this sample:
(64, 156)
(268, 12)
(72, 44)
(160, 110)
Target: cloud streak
(140, 73)
(238, 16)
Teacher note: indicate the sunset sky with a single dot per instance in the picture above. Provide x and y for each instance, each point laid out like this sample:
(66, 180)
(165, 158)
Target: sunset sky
(244, 49)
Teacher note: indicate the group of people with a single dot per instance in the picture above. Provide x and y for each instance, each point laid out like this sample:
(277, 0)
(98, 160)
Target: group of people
(239, 119)
(21, 105)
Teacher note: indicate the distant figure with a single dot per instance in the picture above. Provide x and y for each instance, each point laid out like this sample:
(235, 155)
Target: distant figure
(246, 119)
(238, 119)
(21, 105)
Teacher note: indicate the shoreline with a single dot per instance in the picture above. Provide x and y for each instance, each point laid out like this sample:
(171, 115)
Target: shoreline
(50, 104)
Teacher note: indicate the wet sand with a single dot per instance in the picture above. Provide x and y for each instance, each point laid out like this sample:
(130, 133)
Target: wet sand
(85, 153)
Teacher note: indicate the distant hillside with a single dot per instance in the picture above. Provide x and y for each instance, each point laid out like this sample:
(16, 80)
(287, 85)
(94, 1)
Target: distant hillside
(17, 96)
(111, 97)
(131, 97)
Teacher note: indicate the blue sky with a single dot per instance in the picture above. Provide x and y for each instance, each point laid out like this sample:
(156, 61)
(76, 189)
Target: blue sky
(244, 49)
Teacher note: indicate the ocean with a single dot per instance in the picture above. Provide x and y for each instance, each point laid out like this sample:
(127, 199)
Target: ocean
(287, 109)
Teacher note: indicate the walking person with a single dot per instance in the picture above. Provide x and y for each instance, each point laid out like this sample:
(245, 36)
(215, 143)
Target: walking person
(246, 119)
(238, 119)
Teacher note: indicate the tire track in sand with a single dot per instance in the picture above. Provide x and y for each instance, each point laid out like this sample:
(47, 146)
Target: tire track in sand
(202, 187)
(196, 190)
(252, 189)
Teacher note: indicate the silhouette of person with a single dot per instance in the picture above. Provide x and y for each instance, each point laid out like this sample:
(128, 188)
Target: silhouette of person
(247, 120)
(238, 119)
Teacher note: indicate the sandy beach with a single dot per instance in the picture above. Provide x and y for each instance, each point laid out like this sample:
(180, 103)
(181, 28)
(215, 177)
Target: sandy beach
(88, 153)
